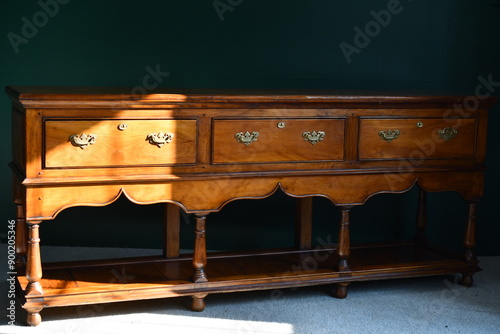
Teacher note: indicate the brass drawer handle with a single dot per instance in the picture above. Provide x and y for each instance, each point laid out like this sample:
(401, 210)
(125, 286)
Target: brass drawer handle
(313, 137)
(246, 138)
(82, 140)
(389, 135)
(159, 139)
(447, 133)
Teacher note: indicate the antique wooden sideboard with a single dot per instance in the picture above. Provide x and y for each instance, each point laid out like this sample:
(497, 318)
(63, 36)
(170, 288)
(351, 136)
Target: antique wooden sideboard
(198, 150)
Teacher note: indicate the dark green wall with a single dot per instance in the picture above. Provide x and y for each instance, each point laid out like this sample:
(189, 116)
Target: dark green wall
(433, 45)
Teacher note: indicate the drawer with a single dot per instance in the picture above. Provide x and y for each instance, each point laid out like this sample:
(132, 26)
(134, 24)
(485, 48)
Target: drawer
(424, 138)
(277, 140)
(108, 143)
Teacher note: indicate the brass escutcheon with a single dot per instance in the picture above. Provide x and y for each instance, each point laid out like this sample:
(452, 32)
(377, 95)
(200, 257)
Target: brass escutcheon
(313, 137)
(246, 138)
(159, 139)
(447, 133)
(389, 135)
(82, 140)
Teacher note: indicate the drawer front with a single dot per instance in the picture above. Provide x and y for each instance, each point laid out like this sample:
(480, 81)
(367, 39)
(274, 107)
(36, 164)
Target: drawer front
(433, 138)
(108, 143)
(277, 140)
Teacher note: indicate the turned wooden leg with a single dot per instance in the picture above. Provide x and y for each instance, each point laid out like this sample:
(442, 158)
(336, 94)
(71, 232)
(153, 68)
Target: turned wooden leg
(341, 290)
(198, 302)
(199, 261)
(34, 318)
(34, 262)
(470, 234)
(171, 228)
(470, 243)
(467, 280)
(421, 223)
(343, 250)
(33, 272)
(303, 223)
(21, 240)
(200, 250)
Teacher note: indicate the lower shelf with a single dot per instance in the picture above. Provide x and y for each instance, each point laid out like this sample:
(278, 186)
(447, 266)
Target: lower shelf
(105, 281)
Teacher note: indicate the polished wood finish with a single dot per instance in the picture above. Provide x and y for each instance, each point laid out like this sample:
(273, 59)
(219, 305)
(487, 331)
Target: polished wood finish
(77, 282)
(34, 318)
(34, 263)
(416, 142)
(344, 240)
(200, 250)
(470, 234)
(275, 144)
(309, 143)
(198, 302)
(172, 230)
(343, 250)
(127, 147)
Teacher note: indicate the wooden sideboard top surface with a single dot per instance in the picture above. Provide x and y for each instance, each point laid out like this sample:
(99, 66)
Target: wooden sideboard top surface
(52, 96)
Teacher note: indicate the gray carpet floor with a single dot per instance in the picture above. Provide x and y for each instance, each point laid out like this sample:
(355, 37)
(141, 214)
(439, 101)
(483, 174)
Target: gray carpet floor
(422, 305)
